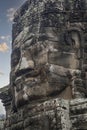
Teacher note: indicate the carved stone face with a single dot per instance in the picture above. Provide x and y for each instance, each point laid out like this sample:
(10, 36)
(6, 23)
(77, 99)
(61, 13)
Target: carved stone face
(46, 53)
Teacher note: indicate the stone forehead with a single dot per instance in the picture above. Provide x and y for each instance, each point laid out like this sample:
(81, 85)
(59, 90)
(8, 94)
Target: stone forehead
(37, 3)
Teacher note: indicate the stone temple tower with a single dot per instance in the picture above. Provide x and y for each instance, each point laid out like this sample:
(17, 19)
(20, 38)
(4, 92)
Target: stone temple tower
(48, 80)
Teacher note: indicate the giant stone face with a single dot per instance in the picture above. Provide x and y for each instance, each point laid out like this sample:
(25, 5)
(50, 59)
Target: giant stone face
(47, 56)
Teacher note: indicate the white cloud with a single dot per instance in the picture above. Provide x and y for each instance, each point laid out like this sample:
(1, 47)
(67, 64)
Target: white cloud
(1, 73)
(6, 38)
(10, 14)
(3, 47)
(2, 37)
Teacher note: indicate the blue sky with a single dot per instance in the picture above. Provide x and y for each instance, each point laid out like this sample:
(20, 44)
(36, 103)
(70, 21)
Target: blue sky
(7, 9)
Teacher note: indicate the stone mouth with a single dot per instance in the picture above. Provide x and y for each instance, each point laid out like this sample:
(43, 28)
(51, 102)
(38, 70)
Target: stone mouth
(23, 72)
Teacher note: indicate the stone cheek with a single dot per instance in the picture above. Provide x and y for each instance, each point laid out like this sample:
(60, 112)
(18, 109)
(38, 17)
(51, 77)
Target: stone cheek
(64, 59)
